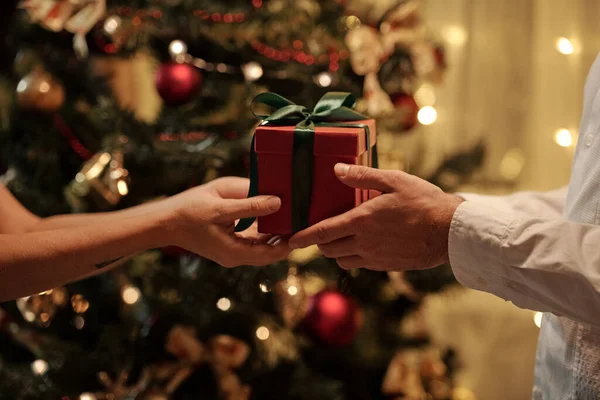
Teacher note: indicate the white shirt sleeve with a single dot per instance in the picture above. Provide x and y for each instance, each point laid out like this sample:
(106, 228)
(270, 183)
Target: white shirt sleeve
(520, 249)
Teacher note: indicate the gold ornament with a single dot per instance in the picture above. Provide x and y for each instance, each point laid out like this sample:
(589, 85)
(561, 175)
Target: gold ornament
(41, 308)
(103, 181)
(39, 91)
(403, 378)
(229, 351)
(183, 343)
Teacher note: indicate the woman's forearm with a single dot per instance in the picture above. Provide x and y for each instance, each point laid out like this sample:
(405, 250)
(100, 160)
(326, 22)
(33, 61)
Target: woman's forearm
(71, 220)
(36, 261)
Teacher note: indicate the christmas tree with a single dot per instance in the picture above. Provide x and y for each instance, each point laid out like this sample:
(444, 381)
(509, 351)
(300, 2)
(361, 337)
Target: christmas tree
(169, 324)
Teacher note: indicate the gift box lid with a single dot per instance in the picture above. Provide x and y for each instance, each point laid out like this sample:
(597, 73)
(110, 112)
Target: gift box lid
(329, 140)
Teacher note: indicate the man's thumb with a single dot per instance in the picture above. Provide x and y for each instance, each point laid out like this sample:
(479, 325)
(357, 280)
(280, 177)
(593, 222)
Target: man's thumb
(361, 177)
(258, 206)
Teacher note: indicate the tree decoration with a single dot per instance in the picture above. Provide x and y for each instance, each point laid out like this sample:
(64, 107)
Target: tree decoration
(75, 16)
(38, 90)
(41, 308)
(333, 318)
(177, 83)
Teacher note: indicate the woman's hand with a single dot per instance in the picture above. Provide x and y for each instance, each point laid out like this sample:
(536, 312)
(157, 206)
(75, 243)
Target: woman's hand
(203, 221)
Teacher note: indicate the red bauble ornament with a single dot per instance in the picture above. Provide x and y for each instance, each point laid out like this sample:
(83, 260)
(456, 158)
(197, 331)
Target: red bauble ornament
(332, 318)
(177, 83)
(407, 108)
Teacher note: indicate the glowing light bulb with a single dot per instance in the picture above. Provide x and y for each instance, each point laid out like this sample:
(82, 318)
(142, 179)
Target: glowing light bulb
(264, 288)
(87, 396)
(563, 138)
(537, 318)
(455, 35)
(122, 188)
(111, 24)
(252, 71)
(564, 46)
(425, 95)
(324, 79)
(262, 333)
(224, 304)
(512, 164)
(292, 290)
(131, 294)
(352, 22)
(177, 48)
(39, 367)
(427, 115)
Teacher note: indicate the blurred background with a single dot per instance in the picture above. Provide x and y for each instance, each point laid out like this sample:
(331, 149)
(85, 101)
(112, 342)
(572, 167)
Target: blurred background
(105, 104)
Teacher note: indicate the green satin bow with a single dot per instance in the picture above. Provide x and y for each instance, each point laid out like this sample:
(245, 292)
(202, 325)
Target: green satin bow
(331, 108)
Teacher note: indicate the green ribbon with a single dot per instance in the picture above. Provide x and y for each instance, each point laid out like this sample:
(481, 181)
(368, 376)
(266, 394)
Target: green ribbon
(333, 108)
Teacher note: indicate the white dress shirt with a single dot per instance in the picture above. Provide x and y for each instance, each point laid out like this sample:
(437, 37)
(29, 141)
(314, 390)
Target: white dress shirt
(541, 251)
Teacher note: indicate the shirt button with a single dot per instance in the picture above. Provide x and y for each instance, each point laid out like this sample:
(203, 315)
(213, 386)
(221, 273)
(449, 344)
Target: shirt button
(589, 139)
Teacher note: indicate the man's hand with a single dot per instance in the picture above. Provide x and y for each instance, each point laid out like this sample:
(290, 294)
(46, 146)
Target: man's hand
(406, 227)
(204, 220)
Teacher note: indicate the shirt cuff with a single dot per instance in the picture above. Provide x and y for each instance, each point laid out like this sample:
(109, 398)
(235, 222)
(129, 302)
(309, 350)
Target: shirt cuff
(477, 234)
(498, 202)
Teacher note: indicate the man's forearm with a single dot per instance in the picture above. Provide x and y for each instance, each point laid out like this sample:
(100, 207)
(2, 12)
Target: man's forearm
(36, 261)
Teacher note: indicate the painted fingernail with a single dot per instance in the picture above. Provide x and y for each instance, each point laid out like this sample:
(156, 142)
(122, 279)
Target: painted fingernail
(341, 169)
(274, 203)
(274, 239)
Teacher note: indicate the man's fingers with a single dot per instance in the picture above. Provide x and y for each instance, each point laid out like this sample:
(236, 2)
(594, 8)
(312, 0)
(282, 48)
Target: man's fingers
(231, 210)
(246, 251)
(339, 248)
(326, 231)
(351, 262)
(360, 177)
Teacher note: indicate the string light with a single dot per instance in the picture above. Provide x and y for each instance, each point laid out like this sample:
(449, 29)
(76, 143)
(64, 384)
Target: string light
(177, 48)
(352, 22)
(427, 115)
(131, 294)
(111, 24)
(564, 46)
(455, 35)
(264, 287)
(122, 187)
(224, 304)
(292, 290)
(563, 138)
(79, 304)
(512, 164)
(262, 333)
(39, 367)
(324, 79)
(252, 71)
(537, 319)
(87, 396)
(78, 322)
(425, 95)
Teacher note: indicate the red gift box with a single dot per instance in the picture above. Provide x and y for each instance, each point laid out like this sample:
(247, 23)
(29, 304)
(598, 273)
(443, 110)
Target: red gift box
(329, 196)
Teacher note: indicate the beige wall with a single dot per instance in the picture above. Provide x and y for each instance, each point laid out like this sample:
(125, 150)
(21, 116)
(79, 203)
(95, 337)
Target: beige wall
(508, 84)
